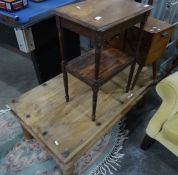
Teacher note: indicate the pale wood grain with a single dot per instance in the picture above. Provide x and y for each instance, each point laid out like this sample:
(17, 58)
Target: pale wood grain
(69, 124)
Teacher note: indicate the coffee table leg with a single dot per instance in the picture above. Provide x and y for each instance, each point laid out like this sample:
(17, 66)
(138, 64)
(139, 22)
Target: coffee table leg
(69, 169)
(26, 134)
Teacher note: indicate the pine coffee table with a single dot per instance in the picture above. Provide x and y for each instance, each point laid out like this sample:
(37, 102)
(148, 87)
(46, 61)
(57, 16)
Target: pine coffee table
(65, 130)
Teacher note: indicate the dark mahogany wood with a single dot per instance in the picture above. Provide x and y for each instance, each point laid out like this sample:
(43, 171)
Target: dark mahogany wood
(63, 60)
(155, 38)
(153, 45)
(154, 68)
(100, 21)
(112, 61)
(142, 25)
(95, 97)
(102, 15)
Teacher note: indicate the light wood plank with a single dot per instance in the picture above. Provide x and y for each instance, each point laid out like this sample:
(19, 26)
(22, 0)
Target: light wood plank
(65, 129)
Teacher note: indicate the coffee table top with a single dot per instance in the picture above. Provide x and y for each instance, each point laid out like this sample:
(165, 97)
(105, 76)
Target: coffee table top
(101, 15)
(66, 129)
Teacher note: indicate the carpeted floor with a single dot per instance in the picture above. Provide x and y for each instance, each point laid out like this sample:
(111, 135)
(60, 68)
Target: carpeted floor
(19, 156)
(17, 76)
(155, 161)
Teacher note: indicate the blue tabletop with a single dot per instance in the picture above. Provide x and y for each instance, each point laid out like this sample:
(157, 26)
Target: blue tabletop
(34, 11)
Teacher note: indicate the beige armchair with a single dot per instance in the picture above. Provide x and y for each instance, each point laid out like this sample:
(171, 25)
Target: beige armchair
(163, 126)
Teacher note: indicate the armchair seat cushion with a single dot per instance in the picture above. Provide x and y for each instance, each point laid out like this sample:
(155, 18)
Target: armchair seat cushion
(170, 129)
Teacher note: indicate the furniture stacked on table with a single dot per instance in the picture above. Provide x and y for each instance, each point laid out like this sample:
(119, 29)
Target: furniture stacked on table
(100, 21)
(168, 11)
(65, 130)
(156, 36)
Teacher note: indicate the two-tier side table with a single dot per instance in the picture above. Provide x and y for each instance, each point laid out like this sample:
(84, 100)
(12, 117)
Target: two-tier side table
(99, 21)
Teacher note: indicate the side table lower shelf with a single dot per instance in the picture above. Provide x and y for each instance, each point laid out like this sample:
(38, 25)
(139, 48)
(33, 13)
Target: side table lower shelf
(112, 62)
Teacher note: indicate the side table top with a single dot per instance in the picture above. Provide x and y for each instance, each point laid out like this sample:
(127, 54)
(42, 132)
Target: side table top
(102, 15)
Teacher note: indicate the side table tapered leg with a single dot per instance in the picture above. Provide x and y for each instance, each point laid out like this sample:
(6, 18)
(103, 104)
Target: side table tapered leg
(132, 70)
(63, 63)
(95, 88)
(65, 78)
(137, 57)
(95, 97)
(137, 75)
